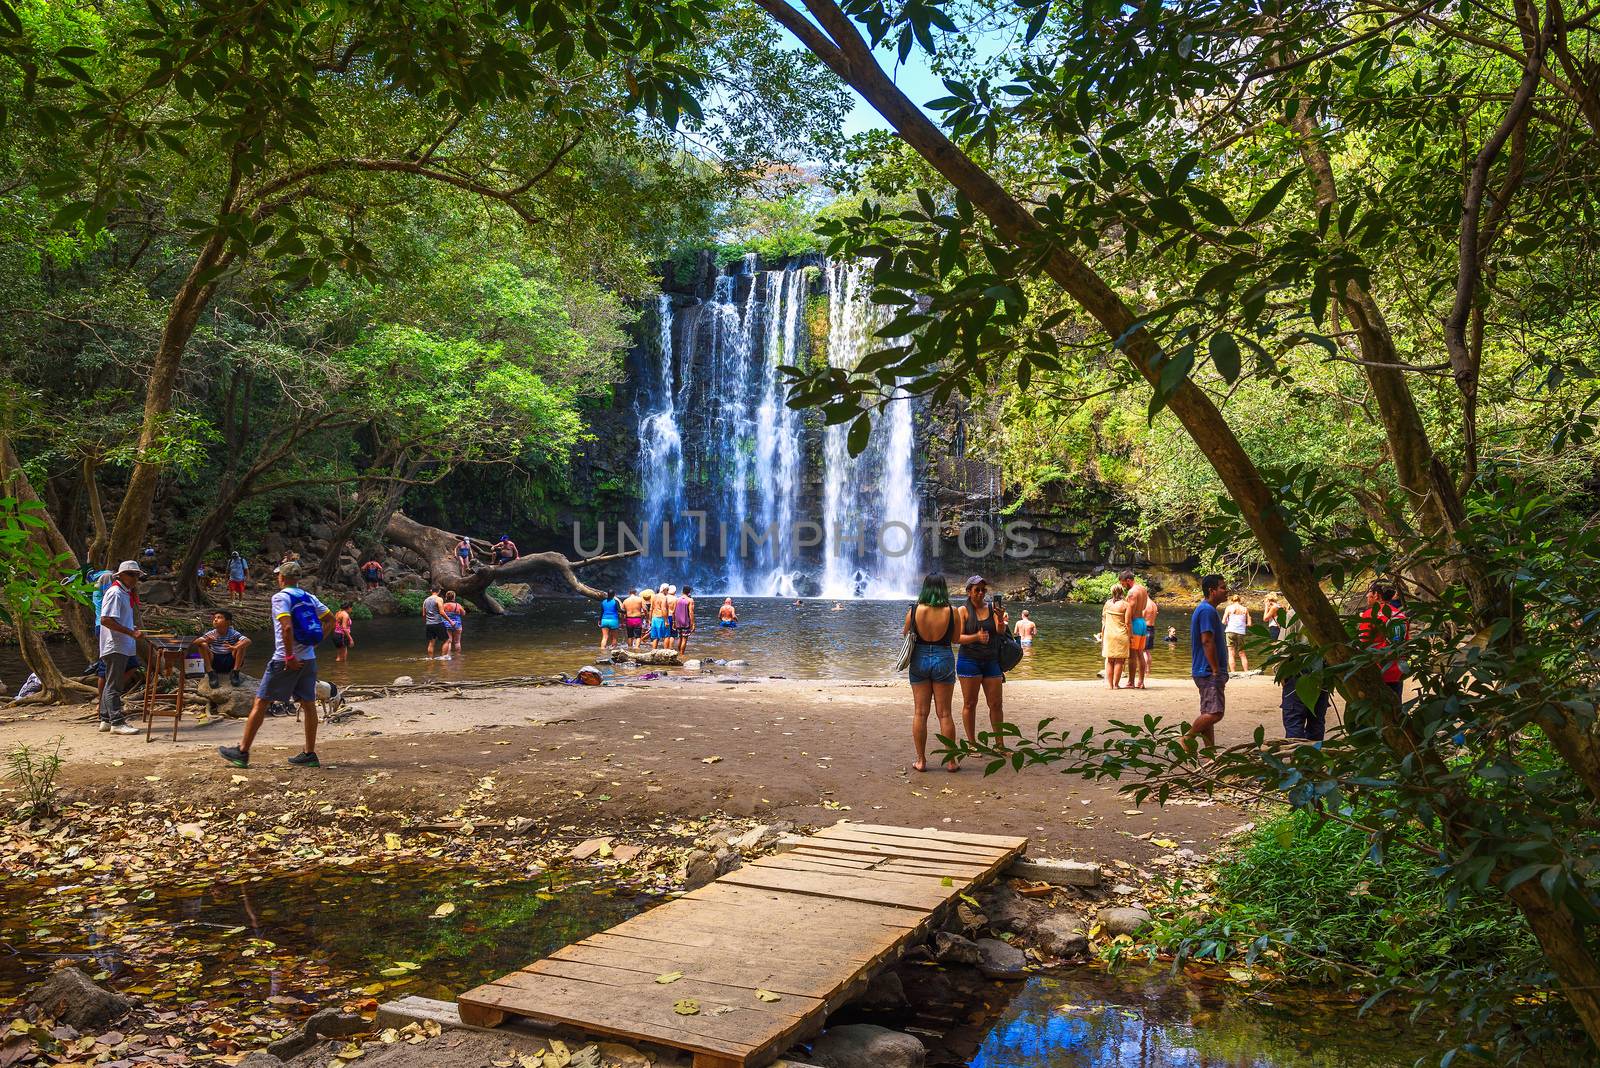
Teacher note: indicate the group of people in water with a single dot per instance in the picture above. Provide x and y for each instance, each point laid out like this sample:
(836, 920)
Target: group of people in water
(663, 617)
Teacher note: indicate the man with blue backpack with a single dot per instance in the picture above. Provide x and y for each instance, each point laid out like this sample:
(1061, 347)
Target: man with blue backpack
(291, 675)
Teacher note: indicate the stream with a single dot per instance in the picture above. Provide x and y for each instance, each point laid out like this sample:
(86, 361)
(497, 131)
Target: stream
(288, 943)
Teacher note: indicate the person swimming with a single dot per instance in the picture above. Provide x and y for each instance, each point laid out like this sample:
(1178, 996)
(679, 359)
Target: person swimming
(727, 615)
(1172, 635)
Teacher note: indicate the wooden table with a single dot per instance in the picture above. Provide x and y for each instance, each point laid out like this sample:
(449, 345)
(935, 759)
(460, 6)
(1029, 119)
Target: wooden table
(765, 952)
(164, 653)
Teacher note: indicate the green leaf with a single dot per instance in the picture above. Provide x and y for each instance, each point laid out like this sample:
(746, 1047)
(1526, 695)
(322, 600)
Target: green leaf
(1271, 198)
(1225, 355)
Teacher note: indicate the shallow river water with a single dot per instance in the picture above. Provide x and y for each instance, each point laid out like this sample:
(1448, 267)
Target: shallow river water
(809, 640)
(316, 936)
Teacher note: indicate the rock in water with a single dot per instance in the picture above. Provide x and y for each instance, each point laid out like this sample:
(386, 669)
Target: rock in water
(1123, 921)
(331, 1023)
(72, 998)
(867, 1046)
(1060, 934)
(954, 949)
(885, 992)
(1000, 960)
(404, 680)
(691, 665)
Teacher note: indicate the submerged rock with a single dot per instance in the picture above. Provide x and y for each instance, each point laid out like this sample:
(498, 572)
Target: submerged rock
(885, 992)
(72, 998)
(954, 949)
(1001, 960)
(867, 1046)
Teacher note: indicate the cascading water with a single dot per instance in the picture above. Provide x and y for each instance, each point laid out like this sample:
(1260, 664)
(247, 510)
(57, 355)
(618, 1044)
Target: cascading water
(716, 437)
(870, 509)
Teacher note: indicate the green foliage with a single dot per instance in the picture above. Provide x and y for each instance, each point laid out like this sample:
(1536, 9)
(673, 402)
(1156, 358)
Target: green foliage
(360, 613)
(409, 602)
(35, 769)
(502, 596)
(1094, 589)
(28, 592)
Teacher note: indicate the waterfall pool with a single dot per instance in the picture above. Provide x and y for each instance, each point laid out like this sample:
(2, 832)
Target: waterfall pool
(272, 948)
(808, 640)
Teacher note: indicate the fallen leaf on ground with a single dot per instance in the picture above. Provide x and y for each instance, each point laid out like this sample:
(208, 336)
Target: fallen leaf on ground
(686, 1007)
(444, 910)
(711, 760)
(669, 977)
(767, 995)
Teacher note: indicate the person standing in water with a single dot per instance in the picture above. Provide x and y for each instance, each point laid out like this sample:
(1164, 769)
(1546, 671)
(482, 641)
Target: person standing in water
(978, 660)
(727, 615)
(344, 635)
(1026, 629)
(454, 614)
(433, 621)
(633, 617)
(610, 620)
(932, 620)
(1236, 619)
(658, 618)
(683, 618)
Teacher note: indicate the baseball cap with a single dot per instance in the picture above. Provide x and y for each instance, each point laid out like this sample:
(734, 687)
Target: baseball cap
(129, 567)
(288, 569)
(975, 580)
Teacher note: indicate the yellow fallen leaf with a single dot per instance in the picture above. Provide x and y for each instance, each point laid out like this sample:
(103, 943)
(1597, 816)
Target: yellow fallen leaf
(391, 841)
(444, 910)
(669, 977)
(241, 778)
(711, 760)
(1096, 929)
(947, 881)
(767, 995)
(152, 778)
(116, 763)
(1164, 843)
(372, 989)
(686, 1007)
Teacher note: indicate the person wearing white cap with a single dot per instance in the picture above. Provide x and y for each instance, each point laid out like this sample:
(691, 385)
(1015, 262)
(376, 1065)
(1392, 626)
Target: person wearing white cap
(119, 640)
(298, 619)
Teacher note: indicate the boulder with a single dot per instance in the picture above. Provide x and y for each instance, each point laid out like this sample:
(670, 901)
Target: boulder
(1001, 960)
(379, 601)
(332, 1023)
(954, 949)
(884, 993)
(403, 680)
(1008, 910)
(691, 665)
(867, 1046)
(1122, 921)
(72, 998)
(738, 663)
(321, 531)
(1059, 934)
(657, 657)
(225, 699)
(156, 591)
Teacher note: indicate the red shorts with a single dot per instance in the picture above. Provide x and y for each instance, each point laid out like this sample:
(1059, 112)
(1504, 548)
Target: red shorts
(235, 586)
(1137, 642)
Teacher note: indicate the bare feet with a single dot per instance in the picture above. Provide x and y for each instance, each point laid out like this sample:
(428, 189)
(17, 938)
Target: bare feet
(921, 765)
(952, 766)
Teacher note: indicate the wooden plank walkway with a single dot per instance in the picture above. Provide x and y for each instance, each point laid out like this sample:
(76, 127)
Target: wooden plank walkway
(810, 926)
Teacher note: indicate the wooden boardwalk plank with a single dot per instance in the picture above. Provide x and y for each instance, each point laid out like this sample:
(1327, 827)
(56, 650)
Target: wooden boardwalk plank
(810, 925)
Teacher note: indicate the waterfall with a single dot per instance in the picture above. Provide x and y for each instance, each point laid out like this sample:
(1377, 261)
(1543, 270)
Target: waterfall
(715, 435)
(870, 510)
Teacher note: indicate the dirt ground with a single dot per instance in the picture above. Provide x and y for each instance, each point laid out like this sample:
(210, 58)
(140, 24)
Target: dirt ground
(601, 759)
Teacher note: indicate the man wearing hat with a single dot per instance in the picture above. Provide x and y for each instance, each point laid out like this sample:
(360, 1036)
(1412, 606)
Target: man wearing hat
(119, 640)
(291, 674)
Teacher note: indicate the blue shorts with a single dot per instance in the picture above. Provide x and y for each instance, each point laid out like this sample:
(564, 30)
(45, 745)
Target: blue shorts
(728, 623)
(278, 683)
(1140, 627)
(932, 663)
(658, 628)
(133, 665)
(968, 668)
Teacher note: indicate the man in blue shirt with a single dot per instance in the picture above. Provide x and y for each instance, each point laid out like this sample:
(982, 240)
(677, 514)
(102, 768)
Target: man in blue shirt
(1208, 652)
(238, 576)
(291, 674)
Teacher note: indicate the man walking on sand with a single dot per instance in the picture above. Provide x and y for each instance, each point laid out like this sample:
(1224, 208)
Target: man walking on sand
(1135, 600)
(119, 640)
(291, 675)
(1208, 644)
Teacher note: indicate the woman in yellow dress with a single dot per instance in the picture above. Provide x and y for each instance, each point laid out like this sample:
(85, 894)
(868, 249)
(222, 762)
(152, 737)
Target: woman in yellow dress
(1114, 636)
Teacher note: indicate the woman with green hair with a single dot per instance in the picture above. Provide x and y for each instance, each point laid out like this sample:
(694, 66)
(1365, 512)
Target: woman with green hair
(932, 622)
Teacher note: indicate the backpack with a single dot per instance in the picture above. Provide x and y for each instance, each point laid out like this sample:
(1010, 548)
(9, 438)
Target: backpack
(303, 618)
(1010, 651)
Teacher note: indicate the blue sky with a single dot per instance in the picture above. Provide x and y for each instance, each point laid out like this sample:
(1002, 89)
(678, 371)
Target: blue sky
(914, 79)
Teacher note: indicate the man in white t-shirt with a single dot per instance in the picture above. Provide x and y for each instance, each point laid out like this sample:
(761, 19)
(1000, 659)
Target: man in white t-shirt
(119, 641)
(291, 674)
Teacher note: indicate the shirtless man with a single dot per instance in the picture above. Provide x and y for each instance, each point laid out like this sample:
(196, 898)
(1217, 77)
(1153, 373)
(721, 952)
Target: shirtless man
(1150, 610)
(1025, 629)
(633, 615)
(727, 615)
(1135, 600)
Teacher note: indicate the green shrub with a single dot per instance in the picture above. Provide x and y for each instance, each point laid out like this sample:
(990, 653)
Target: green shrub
(360, 612)
(1094, 589)
(409, 601)
(502, 596)
(35, 770)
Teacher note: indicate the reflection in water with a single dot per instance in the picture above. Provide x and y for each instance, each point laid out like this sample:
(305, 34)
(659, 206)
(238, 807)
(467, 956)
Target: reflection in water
(808, 640)
(1146, 1018)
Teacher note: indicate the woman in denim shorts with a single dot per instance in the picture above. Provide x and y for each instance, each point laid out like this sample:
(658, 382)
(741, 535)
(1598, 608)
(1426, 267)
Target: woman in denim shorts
(933, 665)
(978, 627)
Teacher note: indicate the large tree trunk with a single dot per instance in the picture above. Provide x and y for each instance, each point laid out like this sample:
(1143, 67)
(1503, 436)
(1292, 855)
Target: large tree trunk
(205, 536)
(57, 688)
(133, 517)
(438, 548)
(834, 39)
